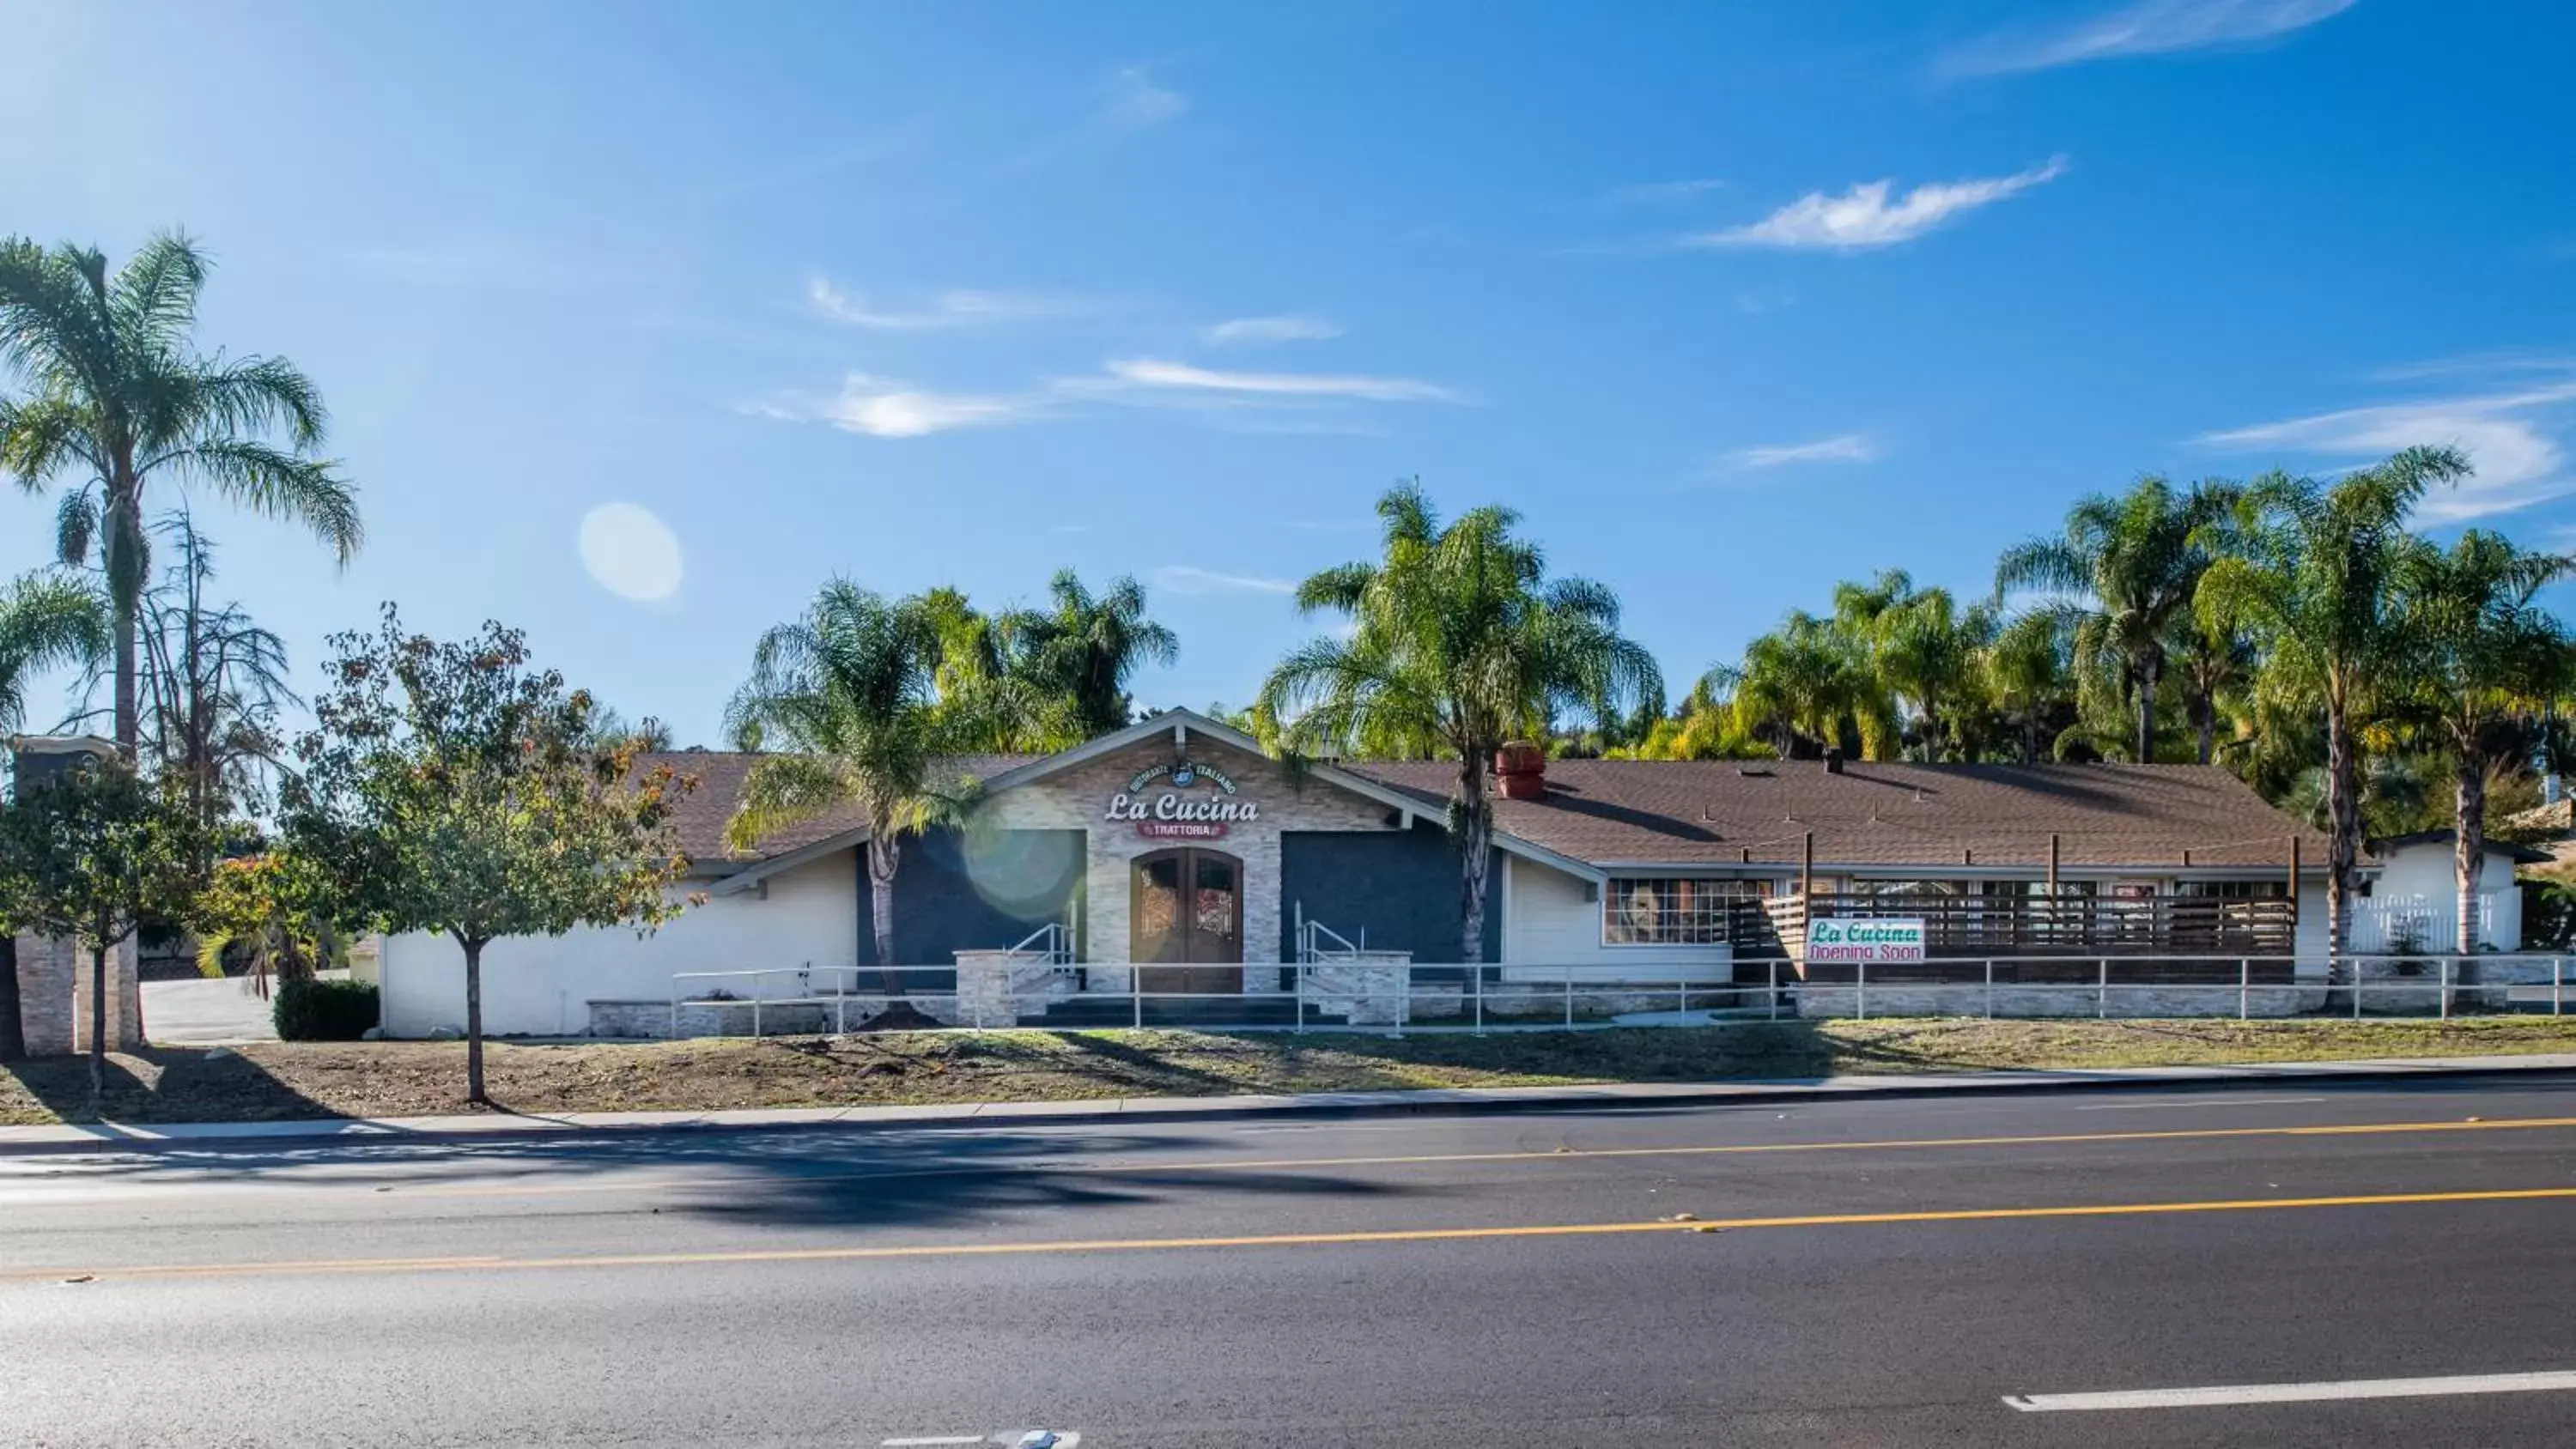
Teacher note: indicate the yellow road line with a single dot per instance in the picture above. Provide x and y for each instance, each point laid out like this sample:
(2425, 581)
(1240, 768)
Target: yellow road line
(1271, 1240)
(1569, 1154)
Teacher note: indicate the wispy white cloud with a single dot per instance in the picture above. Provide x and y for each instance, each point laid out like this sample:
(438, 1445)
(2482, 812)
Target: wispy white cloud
(1241, 330)
(882, 407)
(1132, 102)
(1864, 217)
(2515, 438)
(1146, 374)
(2149, 27)
(957, 307)
(1191, 579)
(1661, 193)
(1840, 448)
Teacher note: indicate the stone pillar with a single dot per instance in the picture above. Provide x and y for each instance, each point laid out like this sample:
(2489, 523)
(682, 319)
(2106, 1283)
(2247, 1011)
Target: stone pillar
(53, 997)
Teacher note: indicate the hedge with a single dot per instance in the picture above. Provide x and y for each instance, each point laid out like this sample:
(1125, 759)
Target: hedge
(312, 1010)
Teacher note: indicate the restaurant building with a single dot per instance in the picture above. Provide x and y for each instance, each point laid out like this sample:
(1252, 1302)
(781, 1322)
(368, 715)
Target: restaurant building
(1175, 857)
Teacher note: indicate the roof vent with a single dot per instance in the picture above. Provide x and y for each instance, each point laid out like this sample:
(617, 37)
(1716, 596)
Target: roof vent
(1754, 772)
(1833, 759)
(1521, 769)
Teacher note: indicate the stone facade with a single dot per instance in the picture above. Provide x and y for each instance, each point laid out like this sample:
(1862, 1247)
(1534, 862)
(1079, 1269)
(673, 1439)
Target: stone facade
(1078, 798)
(53, 996)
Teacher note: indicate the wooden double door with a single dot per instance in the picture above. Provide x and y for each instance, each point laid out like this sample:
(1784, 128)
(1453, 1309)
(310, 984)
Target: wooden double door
(1185, 921)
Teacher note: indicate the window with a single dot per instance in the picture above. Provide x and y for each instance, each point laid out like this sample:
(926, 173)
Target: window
(2231, 890)
(1675, 910)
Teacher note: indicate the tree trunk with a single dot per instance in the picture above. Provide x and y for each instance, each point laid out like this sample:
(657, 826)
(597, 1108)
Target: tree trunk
(884, 854)
(2150, 674)
(2343, 836)
(124, 523)
(2205, 710)
(1475, 848)
(474, 1023)
(97, 1030)
(2470, 857)
(13, 1030)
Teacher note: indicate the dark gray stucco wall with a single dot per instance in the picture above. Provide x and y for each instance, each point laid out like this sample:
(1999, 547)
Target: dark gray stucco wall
(953, 893)
(1401, 886)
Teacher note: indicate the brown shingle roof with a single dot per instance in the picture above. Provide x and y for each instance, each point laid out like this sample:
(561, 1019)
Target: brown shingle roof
(702, 814)
(1710, 812)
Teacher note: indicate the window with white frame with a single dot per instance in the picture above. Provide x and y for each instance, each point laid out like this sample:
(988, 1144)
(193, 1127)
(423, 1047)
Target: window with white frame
(1675, 910)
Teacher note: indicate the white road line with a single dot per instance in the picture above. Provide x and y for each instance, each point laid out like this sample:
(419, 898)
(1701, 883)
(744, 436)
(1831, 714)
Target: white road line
(2197, 1102)
(2295, 1393)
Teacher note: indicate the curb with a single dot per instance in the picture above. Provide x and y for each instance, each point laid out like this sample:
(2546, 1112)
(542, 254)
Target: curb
(1436, 1101)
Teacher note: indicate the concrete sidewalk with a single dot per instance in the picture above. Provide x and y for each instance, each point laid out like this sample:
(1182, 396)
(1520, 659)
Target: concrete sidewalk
(468, 1127)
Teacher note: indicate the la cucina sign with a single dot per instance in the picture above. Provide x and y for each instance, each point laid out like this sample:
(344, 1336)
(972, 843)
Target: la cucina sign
(1170, 814)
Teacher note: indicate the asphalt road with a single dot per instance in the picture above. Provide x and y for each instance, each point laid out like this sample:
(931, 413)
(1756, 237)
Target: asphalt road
(1883, 1272)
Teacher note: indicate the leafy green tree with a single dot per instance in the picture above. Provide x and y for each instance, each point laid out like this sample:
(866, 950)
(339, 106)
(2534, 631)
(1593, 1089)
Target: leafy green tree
(1705, 727)
(89, 855)
(2029, 677)
(1460, 642)
(849, 692)
(2140, 558)
(1797, 685)
(1084, 648)
(117, 396)
(2483, 657)
(2315, 579)
(452, 787)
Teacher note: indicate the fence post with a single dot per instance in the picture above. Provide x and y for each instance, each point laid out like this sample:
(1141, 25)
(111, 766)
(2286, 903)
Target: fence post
(1300, 979)
(675, 1015)
(2443, 981)
(1136, 995)
(1480, 998)
(755, 1013)
(1860, 991)
(2244, 986)
(2102, 992)
(2356, 986)
(1775, 990)
(1569, 996)
(1990, 988)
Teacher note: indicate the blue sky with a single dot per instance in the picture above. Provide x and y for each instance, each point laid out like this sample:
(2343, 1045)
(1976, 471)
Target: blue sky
(1731, 300)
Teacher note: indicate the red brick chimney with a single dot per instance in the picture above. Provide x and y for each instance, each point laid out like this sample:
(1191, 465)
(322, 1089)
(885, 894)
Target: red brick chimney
(1520, 768)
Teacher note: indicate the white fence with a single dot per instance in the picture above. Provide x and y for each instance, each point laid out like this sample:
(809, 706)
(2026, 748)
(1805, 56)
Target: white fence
(1395, 996)
(2414, 925)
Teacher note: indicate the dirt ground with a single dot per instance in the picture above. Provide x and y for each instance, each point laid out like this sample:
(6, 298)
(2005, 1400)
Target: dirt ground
(271, 1080)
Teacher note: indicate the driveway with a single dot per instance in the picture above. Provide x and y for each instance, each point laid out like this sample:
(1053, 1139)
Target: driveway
(205, 1012)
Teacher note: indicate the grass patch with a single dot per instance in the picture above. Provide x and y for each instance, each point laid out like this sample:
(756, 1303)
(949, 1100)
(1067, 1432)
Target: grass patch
(275, 1080)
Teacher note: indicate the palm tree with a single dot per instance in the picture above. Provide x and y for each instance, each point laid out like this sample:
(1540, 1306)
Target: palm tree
(117, 396)
(1085, 648)
(850, 692)
(2140, 556)
(45, 621)
(1797, 684)
(2486, 659)
(2316, 581)
(1928, 650)
(1460, 643)
(2028, 675)
(2213, 662)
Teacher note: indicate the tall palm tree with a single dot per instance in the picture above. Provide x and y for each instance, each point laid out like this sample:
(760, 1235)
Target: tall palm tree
(2029, 676)
(117, 396)
(2140, 556)
(1086, 647)
(849, 693)
(2486, 658)
(1928, 650)
(1460, 643)
(1861, 618)
(2316, 579)
(1796, 684)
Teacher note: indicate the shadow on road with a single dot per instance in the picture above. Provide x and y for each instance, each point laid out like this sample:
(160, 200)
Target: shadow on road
(801, 1177)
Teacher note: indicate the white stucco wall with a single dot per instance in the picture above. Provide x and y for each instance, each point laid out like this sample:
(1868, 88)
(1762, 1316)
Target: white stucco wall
(1550, 930)
(542, 986)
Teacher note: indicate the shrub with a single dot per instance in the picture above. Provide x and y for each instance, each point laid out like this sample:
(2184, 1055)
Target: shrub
(315, 1010)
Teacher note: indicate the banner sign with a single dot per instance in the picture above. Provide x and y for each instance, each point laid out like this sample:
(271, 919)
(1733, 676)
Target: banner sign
(1866, 942)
